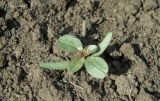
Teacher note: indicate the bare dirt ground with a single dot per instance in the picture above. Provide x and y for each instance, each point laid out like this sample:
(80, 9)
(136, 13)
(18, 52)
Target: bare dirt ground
(30, 28)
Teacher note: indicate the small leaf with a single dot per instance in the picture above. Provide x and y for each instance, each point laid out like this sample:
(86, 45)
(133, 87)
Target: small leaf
(96, 67)
(76, 64)
(91, 48)
(69, 43)
(103, 45)
(55, 65)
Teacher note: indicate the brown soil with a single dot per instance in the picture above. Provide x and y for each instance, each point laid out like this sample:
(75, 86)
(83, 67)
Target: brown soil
(30, 28)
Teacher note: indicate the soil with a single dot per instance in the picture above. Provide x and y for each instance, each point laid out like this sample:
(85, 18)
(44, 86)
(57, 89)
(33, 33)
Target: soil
(30, 28)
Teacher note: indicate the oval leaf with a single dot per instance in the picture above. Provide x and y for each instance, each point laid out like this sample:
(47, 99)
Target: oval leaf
(69, 43)
(91, 48)
(103, 45)
(55, 65)
(96, 67)
(76, 64)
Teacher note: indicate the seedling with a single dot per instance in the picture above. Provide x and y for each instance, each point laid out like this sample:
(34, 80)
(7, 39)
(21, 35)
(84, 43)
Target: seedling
(89, 56)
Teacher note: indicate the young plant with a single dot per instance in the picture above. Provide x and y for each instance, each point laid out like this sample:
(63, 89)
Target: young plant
(89, 56)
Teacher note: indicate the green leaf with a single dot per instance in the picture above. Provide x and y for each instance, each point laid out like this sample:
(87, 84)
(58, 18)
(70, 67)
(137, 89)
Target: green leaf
(76, 64)
(96, 67)
(91, 48)
(69, 43)
(55, 65)
(103, 45)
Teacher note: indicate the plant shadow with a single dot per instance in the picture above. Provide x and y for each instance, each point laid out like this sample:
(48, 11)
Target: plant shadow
(117, 62)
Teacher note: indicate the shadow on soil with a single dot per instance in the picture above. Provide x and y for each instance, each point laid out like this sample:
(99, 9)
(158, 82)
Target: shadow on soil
(117, 64)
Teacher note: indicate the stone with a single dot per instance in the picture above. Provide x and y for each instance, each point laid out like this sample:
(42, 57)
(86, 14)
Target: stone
(144, 96)
(123, 86)
(46, 94)
(128, 51)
